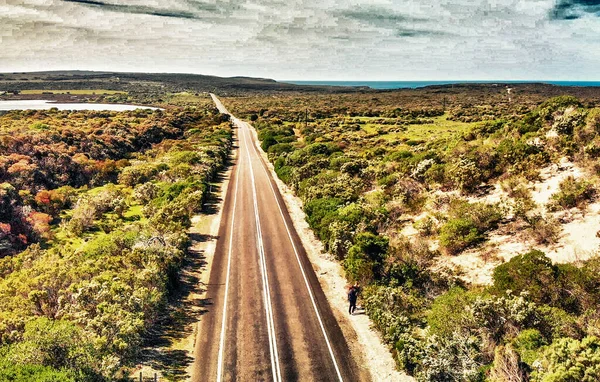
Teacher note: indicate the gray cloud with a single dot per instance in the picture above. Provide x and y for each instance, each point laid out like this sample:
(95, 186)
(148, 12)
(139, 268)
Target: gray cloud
(574, 9)
(401, 25)
(379, 17)
(136, 9)
(311, 39)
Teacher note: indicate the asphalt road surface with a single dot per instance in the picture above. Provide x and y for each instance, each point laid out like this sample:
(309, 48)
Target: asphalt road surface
(268, 318)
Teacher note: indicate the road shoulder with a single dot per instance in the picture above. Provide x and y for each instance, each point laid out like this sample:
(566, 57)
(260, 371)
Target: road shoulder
(365, 343)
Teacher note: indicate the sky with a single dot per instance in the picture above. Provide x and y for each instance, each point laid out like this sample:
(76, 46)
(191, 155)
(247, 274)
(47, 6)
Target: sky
(367, 40)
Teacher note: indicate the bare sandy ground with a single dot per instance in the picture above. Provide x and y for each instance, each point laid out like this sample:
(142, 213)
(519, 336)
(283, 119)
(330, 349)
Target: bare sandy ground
(364, 341)
(577, 240)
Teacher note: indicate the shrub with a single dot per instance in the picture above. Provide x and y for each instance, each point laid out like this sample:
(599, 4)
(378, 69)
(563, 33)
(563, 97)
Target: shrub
(498, 317)
(426, 226)
(528, 343)
(464, 175)
(532, 272)
(56, 344)
(280, 148)
(570, 360)
(35, 373)
(389, 308)
(572, 193)
(468, 224)
(365, 258)
(545, 230)
(447, 313)
(458, 234)
(456, 358)
(409, 353)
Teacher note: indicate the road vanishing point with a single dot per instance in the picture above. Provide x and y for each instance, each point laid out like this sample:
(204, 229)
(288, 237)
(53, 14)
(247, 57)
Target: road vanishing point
(268, 318)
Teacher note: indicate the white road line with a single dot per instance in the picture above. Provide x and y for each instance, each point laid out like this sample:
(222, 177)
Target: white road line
(310, 292)
(312, 298)
(266, 290)
(223, 324)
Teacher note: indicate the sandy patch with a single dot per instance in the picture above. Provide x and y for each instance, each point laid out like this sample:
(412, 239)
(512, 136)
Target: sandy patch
(376, 357)
(551, 177)
(577, 240)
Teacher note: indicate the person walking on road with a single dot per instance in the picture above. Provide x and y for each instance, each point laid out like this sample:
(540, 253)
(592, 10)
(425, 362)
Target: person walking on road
(352, 296)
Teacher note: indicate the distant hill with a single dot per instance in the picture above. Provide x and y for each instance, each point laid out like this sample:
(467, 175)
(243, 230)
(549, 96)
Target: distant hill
(149, 82)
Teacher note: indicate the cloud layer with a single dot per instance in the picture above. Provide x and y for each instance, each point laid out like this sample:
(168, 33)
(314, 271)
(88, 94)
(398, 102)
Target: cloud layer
(307, 39)
(575, 9)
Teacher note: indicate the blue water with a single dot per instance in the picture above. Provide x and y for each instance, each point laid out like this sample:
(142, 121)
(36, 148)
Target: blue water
(420, 84)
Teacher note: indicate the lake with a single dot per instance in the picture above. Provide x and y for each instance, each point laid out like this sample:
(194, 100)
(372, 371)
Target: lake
(45, 105)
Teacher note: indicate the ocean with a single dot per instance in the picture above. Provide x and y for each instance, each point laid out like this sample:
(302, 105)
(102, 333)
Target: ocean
(420, 84)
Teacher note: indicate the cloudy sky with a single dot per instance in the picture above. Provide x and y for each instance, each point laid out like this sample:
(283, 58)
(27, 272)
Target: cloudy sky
(308, 39)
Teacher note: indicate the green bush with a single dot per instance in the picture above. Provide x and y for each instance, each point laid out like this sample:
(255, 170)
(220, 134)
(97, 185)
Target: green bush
(532, 272)
(570, 360)
(320, 213)
(55, 346)
(528, 343)
(459, 234)
(365, 258)
(11, 372)
(447, 313)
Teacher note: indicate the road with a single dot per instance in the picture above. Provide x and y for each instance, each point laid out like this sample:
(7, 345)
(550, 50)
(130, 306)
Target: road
(268, 318)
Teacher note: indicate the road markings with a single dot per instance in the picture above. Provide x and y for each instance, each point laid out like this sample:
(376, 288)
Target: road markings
(310, 292)
(265, 277)
(223, 324)
(275, 367)
(277, 374)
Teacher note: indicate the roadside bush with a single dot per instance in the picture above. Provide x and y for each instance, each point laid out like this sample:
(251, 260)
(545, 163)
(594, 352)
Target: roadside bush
(59, 345)
(320, 213)
(365, 258)
(389, 309)
(448, 313)
(35, 373)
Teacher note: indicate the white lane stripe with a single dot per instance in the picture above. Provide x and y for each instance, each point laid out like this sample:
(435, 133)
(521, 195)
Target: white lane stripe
(266, 289)
(222, 338)
(312, 298)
